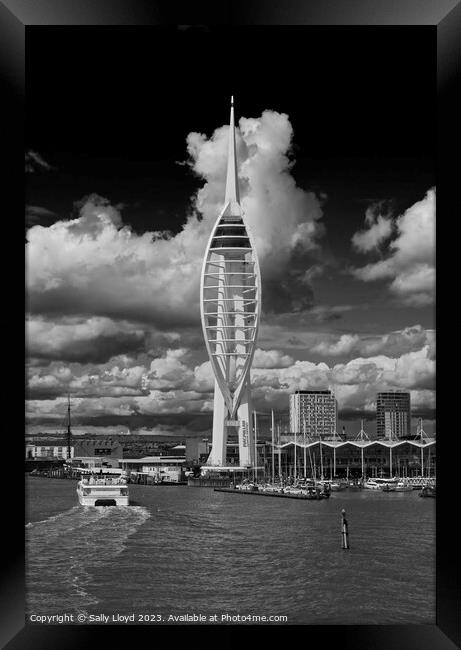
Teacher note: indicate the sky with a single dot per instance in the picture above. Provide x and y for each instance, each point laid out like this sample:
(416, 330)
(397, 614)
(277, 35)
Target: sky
(126, 136)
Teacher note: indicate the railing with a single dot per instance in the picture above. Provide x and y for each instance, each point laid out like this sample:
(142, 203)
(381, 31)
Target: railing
(104, 481)
(420, 480)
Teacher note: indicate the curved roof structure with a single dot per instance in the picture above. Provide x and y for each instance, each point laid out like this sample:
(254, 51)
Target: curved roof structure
(390, 444)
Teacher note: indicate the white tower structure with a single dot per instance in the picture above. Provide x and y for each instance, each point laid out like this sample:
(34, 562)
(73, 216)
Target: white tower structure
(230, 305)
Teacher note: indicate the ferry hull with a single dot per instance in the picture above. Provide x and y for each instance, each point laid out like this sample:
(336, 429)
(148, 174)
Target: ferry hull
(103, 500)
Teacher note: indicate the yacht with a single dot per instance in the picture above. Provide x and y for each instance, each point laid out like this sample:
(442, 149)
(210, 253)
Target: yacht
(403, 486)
(269, 487)
(386, 484)
(294, 489)
(334, 485)
(428, 491)
(249, 487)
(103, 489)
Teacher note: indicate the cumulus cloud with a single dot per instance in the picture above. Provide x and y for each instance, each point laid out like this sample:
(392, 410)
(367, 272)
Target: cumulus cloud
(410, 260)
(130, 388)
(379, 228)
(271, 359)
(344, 345)
(94, 339)
(93, 264)
(411, 370)
(393, 344)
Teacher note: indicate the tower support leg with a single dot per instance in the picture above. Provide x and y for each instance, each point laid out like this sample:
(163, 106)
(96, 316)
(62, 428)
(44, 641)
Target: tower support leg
(217, 455)
(246, 434)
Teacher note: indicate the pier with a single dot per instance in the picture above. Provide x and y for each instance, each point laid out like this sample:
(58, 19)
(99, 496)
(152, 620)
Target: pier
(205, 481)
(306, 497)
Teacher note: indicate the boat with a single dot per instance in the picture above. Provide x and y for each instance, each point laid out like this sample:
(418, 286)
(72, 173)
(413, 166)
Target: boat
(371, 484)
(271, 488)
(428, 491)
(103, 489)
(380, 483)
(336, 486)
(388, 487)
(293, 489)
(403, 486)
(249, 487)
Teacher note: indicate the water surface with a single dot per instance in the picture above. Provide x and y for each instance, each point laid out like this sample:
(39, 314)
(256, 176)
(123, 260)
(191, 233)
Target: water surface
(181, 550)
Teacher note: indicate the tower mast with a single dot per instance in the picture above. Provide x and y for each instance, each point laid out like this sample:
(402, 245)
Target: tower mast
(232, 187)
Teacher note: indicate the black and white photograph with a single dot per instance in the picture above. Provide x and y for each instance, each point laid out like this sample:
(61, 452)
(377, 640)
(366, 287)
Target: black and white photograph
(230, 325)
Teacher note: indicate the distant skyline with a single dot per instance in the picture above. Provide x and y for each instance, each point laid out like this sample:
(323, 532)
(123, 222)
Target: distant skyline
(124, 179)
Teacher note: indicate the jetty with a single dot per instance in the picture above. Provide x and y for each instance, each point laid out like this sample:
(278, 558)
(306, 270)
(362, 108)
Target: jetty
(205, 481)
(314, 496)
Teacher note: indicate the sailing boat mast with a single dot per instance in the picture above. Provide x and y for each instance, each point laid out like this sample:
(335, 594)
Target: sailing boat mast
(422, 436)
(304, 445)
(69, 434)
(362, 436)
(273, 446)
(280, 453)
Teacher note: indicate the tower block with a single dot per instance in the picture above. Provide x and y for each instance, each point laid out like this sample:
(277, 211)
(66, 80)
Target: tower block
(230, 305)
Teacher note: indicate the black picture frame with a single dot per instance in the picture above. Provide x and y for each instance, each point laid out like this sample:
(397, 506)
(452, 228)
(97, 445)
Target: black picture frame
(16, 16)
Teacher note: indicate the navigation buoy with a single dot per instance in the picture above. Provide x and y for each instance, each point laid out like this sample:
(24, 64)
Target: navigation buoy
(344, 530)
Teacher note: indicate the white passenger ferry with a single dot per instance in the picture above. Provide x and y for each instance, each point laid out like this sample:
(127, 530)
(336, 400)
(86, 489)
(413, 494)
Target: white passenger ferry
(103, 489)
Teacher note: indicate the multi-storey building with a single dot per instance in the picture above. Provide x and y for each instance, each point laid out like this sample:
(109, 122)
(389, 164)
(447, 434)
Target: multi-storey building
(393, 418)
(314, 412)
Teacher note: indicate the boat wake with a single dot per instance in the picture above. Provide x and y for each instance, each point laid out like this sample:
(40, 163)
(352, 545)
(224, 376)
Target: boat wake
(66, 552)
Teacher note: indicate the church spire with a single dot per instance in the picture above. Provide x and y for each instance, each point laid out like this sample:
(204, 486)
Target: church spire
(232, 186)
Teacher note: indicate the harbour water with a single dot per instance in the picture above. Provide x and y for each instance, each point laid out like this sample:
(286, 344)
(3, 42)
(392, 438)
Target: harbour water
(180, 550)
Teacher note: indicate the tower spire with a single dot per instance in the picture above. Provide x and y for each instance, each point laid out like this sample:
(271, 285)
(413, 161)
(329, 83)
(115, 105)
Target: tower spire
(232, 186)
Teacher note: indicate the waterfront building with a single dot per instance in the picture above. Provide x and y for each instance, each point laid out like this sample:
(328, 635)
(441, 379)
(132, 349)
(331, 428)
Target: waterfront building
(230, 304)
(357, 458)
(393, 416)
(39, 451)
(314, 412)
(103, 452)
(160, 468)
(196, 450)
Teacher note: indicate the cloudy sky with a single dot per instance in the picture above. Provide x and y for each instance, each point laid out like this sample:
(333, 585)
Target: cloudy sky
(125, 172)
